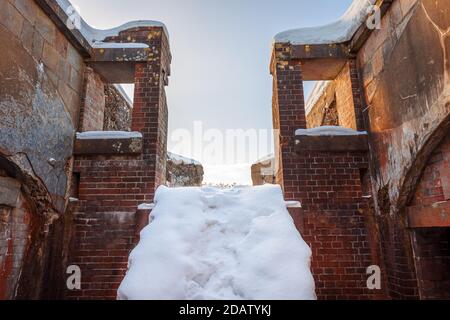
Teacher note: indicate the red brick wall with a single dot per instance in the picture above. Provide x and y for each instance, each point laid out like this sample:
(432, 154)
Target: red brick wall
(434, 184)
(111, 187)
(328, 184)
(333, 221)
(109, 193)
(93, 103)
(346, 92)
(15, 231)
(431, 246)
(288, 111)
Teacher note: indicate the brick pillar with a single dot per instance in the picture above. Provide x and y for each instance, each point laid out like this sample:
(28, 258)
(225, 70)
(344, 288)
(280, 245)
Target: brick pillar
(288, 113)
(357, 95)
(324, 174)
(150, 112)
(150, 117)
(119, 175)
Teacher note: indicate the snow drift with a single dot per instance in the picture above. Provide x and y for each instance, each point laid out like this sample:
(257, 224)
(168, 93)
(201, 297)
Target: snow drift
(209, 243)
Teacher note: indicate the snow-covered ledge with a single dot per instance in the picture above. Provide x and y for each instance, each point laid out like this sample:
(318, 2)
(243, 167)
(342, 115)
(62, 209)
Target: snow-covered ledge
(108, 143)
(329, 131)
(330, 138)
(337, 32)
(96, 37)
(96, 135)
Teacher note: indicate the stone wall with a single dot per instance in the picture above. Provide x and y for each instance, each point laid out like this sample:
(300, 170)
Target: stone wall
(405, 74)
(182, 172)
(263, 171)
(117, 110)
(40, 91)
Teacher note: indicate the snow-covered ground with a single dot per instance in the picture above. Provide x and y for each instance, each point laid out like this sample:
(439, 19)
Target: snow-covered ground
(228, 174)
(210, 243)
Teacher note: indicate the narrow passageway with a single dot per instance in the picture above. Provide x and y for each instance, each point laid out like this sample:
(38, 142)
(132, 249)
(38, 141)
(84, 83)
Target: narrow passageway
(212, 243)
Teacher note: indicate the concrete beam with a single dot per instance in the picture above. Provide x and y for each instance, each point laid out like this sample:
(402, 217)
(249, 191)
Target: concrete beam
(319, 51)
(116, 146)
(434, 216)
(331, 143)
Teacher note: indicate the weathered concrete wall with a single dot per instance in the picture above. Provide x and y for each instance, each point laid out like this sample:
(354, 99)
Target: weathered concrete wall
(41, 77)
(405, 74)
(40, 90)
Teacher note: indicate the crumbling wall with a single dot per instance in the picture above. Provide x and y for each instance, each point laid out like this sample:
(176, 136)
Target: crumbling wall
(263, 171)
(117, 110)
(183, 173)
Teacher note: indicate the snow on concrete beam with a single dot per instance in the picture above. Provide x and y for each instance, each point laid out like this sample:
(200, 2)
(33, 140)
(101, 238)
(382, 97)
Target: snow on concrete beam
(108, 143)
(330, 138)
(329, 131)
(334, 33)
(96, 36)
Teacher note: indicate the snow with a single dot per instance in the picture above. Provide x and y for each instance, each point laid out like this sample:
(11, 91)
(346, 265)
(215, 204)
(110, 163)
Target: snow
(96, 36)
(227, 174)
(293, 204)
(177, 159)
(329, 131)
(123, 93)
(336, 32)
(210, 243)
(268, 158)
(113, 45)
(316, 94)
(94, 135)
(146, 206)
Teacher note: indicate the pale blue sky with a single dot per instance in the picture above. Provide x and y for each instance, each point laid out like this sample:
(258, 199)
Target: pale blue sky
(221, 52)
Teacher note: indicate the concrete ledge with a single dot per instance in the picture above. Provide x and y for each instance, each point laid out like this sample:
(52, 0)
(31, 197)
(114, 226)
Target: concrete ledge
(331, 143)
(320, 51)
(434, 216)
(110, 146)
